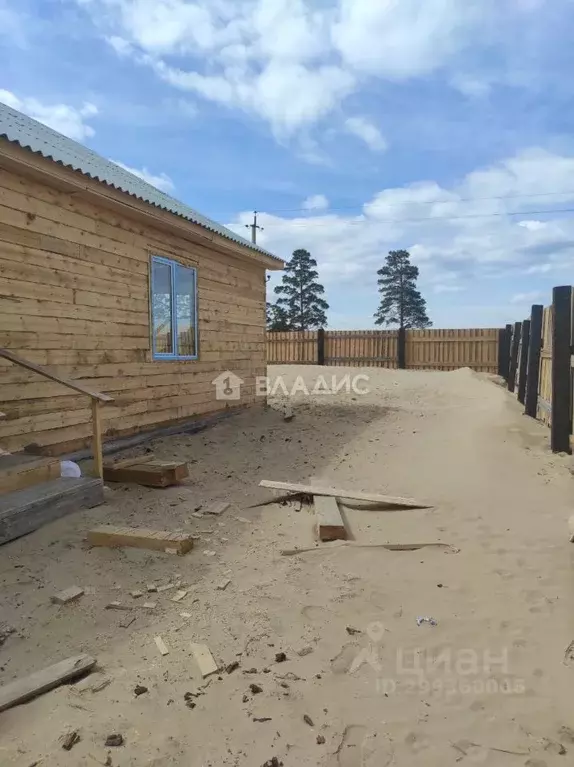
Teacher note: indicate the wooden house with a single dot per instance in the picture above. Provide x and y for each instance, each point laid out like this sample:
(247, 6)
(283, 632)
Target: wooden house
(120, 307)
(109, 282)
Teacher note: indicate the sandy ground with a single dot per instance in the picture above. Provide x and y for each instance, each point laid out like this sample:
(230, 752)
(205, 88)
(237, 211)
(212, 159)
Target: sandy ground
(489, 684)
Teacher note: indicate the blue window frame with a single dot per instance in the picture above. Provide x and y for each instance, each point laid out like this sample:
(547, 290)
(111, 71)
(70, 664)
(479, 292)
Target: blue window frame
(173, 310)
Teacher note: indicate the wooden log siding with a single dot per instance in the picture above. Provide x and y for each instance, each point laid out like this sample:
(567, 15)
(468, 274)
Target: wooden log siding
(75, 297)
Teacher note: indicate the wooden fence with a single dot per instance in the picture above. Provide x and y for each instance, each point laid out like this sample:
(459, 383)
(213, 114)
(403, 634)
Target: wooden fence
(476, 348)
(536, 362)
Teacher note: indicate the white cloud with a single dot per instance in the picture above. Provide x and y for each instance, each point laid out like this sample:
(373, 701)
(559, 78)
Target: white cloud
(367, 132)
(532, 226)
(290, 62)
(161, 181)
(316, 202)
(527, 298)
(70, 121)
(458, 239)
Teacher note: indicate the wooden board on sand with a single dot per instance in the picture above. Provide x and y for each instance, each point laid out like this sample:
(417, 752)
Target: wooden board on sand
(30, 686)
(339, 492)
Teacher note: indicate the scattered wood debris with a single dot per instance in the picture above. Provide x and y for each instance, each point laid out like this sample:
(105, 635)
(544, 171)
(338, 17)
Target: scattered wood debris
(70, 739)
(127, 621)
(161, 646)
(115, 740)
(118, 606)
(136, 594)
(149, 605)
(165, 587)
(39, 682)
(179, 596)
(330, 523)
(388, 546)
(217, 508)
(148, 473)
(222, 585)
(67, 595)
(123, 463)
(92, 683)
(204, 659)
(151, 588)
(307, 719)
(140, 538)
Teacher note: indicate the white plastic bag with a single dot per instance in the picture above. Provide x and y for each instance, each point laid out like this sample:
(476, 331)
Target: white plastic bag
(70, 469)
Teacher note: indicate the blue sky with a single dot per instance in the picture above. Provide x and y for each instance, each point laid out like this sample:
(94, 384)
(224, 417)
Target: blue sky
(354, 126)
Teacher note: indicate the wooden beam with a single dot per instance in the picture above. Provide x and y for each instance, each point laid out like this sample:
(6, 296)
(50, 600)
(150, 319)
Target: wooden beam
(97, 439)
(321, 346)
(18, 472)
(330, 523)
(123, 463)
(402, 349)
(524, 346)
(339, 492)
(514, 356)
(148, 474)
(504, 338)
(533, 370)
(140, 538)
(29, 687)
(561, 424)
(47, 374)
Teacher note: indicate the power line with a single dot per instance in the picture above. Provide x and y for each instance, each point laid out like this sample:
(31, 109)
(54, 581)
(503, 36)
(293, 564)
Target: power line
(425, 202)
(426, 218)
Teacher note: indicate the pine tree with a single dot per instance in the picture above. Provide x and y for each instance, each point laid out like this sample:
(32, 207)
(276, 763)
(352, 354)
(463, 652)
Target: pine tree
(401, 303)
(300, 295)
(277, 318)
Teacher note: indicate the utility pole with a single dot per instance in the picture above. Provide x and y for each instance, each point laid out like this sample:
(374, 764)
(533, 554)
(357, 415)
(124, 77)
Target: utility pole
(254, 227)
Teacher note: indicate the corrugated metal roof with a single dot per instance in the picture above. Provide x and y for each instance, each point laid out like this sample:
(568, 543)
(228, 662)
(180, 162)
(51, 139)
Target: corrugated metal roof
(30, 134)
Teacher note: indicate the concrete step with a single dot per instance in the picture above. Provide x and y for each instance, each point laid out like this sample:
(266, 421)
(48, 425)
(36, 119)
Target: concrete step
(24, 511)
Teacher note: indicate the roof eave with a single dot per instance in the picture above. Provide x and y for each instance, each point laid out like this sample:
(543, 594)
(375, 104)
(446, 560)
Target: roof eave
(15, 157)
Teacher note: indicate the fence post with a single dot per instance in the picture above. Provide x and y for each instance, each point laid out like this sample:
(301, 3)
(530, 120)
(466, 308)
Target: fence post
(560, 426)
(524, 346)
(514, 356)
(533, 370)
(321, 346)
(504, 336)
(402, 349)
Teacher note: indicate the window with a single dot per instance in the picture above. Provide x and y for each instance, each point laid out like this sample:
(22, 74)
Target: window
(173, 310)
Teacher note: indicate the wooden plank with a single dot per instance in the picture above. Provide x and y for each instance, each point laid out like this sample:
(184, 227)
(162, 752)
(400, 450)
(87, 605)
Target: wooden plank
(161, 645)
(533, 368)
(27, 471)
(47, 374)
(140, 538)
(97, 451)
(330, 523)
(26, 510)
(217, 508)
(23, 690)
(204, 659)
(524, 346)
(147, 474)
(125, 462)
(561, 425)
(338, 492)
(514, 356)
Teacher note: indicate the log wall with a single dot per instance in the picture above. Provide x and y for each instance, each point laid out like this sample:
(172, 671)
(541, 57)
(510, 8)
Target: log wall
(74, 296)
